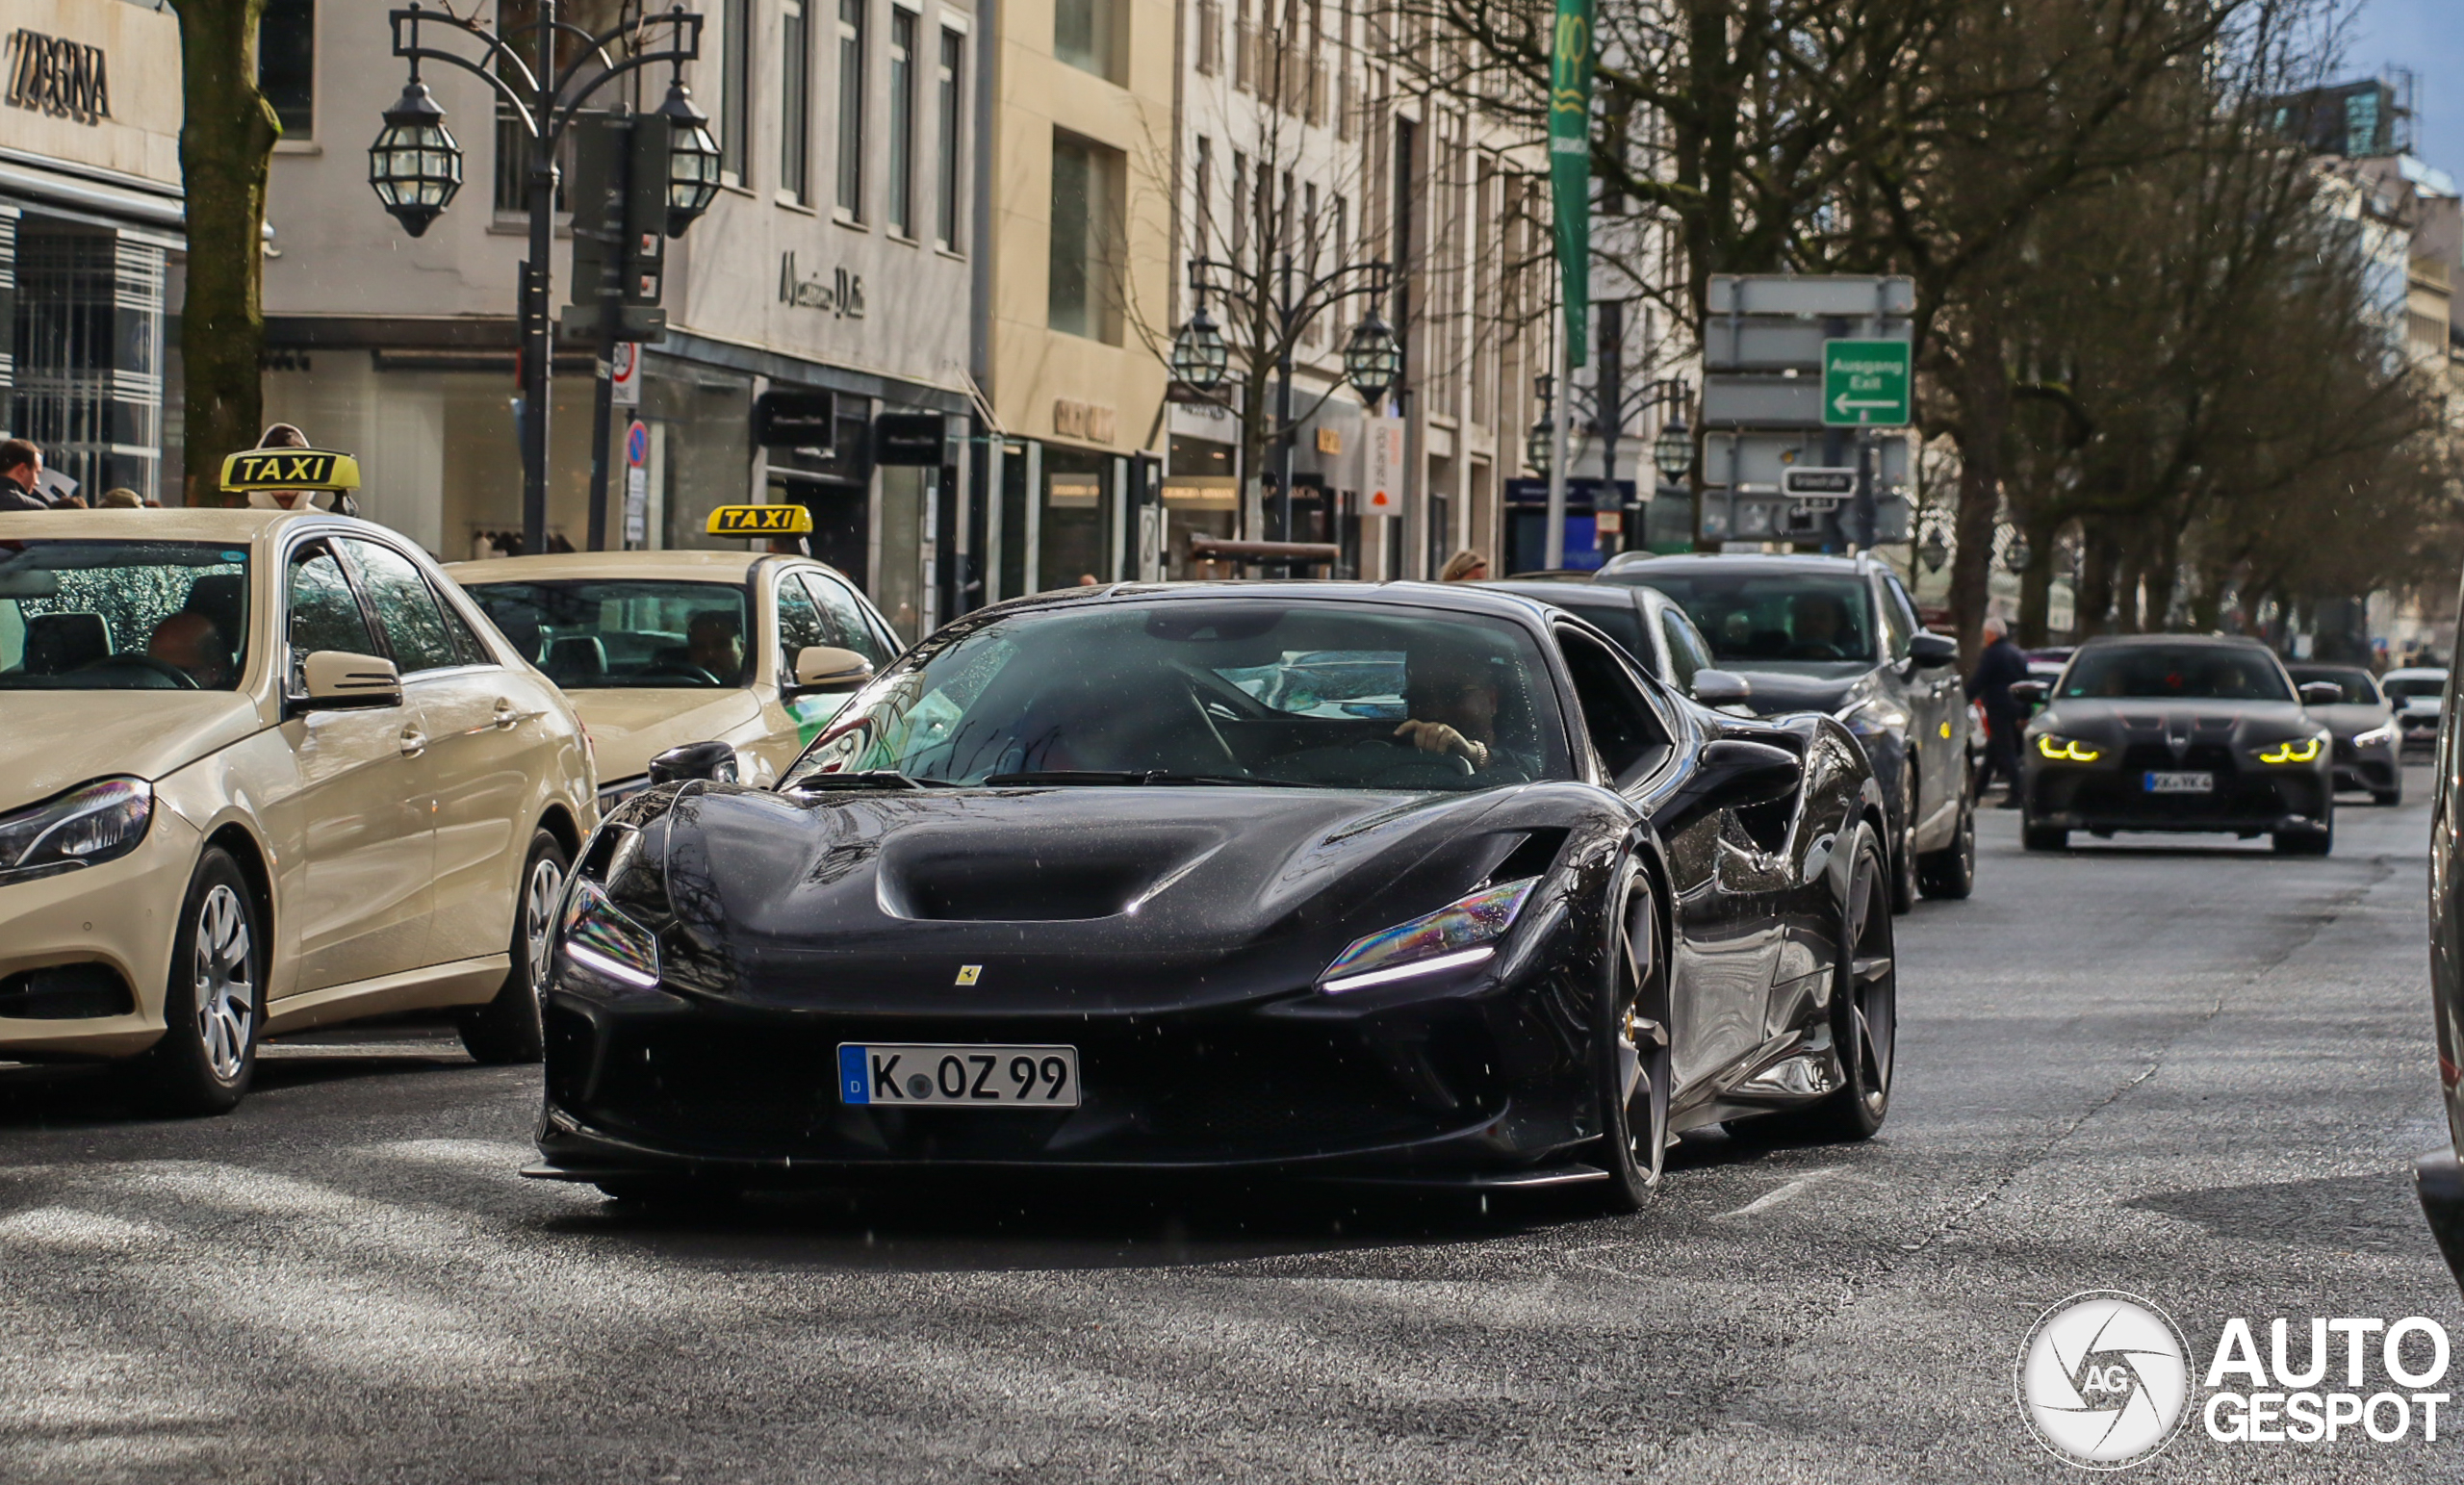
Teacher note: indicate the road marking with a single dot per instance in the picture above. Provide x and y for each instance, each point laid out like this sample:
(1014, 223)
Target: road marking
(1782, 1192)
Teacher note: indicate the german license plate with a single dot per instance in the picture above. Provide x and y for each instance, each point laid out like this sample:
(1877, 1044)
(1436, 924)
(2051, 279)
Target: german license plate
(932, 1075)
(2181, 783)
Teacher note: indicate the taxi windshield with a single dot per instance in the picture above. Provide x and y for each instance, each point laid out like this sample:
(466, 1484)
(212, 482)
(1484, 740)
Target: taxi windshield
(1315, 695)
(591, 633)
(122, 616)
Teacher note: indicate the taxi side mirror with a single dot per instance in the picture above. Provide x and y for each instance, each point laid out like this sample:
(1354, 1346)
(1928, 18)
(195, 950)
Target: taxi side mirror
(2321, 693)
(338, 681)
(1721, 687)
(829, 668)
(1930, 650)
(2028, 693)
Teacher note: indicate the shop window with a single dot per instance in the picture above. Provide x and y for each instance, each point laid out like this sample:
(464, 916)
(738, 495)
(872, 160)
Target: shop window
(1075, 542)
(1085, 277)
(287, 65)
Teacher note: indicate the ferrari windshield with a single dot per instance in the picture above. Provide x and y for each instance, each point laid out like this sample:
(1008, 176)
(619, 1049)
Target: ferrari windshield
(2190, 673)
(122, 615)
(588, 634)
(1268, 692)
(1785, 619)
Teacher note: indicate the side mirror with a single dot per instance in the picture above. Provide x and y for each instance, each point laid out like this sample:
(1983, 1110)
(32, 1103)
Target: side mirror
(829, 668)
(2028, 693)
(338, 681)
(2321, 693)
(1931, 650)
(1737, 772)
(713, 762)
(1721, 687)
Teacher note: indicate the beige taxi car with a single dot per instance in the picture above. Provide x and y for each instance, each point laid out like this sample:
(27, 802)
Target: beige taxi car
(261, 771)
(656, 649)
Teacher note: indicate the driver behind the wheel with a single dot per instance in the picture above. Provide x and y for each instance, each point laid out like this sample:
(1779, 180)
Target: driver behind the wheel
(191, 642)
(714, 640)
(1453, 708)
(1820, 620)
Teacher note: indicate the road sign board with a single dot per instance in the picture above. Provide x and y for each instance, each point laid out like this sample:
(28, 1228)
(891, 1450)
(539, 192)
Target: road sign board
(1866, 383)
(637, 445)
(625, 375)
(1818, 482)
(1856, 295)
(1382, 467)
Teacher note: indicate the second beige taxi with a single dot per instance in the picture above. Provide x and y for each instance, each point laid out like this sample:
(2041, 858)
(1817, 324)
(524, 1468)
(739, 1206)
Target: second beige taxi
(659, 649)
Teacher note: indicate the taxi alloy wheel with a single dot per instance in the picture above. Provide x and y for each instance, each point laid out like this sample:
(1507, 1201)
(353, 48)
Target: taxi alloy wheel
(1637, 1069)
(213, 1008)
(506, 1029)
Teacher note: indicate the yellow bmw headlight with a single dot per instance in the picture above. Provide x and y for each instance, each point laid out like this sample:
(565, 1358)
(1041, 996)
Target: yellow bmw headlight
(2066, 750)
(2304, 751)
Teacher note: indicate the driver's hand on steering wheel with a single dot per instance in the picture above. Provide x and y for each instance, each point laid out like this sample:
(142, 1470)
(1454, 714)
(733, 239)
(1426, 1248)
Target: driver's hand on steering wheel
(1438, 737)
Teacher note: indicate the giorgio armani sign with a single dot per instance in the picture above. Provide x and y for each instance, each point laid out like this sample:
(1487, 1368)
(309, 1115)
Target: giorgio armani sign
(64, 79)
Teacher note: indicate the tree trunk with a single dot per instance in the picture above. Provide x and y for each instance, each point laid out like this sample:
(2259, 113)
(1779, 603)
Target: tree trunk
(1985, 412)
(2036, 587)
(2096, 601)
(226, 142)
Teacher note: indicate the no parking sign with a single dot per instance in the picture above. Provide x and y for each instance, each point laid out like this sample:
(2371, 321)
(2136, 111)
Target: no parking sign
(637, 482)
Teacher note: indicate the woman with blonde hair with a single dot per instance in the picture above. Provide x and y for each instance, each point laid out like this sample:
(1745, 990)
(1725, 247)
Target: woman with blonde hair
(1465, 566)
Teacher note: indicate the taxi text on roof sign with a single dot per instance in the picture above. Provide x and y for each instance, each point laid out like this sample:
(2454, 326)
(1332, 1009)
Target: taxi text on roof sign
(290, 469)
(760, 521)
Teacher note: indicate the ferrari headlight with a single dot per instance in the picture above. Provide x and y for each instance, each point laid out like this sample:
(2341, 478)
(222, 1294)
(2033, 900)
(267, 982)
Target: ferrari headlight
(96, 822)
(2376, 736)
(2301, 750)
(1462, 932)
(599, 940)
(2066, 749)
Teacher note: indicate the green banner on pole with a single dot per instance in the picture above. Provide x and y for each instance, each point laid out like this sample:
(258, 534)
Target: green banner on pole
(1570, 167)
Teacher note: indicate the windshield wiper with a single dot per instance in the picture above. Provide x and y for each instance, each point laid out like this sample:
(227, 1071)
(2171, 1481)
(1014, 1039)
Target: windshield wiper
(870, 779)
(1125, 777)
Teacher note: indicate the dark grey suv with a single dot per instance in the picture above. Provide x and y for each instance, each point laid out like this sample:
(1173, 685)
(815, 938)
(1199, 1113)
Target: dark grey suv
(1840, 634)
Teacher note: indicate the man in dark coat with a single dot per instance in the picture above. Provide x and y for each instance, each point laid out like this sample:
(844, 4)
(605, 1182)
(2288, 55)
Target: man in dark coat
(21, 476)
(2001, 664)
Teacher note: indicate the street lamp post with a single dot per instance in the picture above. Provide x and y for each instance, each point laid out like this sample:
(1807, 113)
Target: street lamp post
(1372, 359)
(416, 166)
(1611, 405)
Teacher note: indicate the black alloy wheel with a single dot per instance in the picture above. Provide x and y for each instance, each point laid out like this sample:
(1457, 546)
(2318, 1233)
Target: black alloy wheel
(506, 1029)
(1903, 860)
(2320, 842)
(214, 1007)
(1865, 1021)
(1949, 873)
(1636, 1064)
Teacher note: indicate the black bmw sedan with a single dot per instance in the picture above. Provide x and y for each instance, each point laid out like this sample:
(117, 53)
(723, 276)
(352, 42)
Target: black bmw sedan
(1405, 883)
(2178, 732)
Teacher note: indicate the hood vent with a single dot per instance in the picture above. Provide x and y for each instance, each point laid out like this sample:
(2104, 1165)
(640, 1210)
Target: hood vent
(1061, 880)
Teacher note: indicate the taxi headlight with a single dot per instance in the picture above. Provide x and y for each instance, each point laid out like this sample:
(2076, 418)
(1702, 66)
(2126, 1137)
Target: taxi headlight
(2384, 733)
(2066, 749)
(1461, 933)
(599, 940)
(96, 822)
(2302, 750)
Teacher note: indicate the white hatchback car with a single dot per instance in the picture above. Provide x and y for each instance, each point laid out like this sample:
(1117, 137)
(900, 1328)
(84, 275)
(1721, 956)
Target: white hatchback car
(260, 771)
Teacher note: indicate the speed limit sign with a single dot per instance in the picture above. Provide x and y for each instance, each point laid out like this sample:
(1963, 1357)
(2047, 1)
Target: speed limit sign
(625, 375)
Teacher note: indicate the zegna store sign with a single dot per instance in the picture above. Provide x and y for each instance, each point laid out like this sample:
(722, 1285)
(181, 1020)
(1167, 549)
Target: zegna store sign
(64, 79)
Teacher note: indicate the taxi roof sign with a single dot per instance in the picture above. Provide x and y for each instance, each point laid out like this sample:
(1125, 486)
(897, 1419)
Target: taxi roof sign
(782, 520)
(290, 469)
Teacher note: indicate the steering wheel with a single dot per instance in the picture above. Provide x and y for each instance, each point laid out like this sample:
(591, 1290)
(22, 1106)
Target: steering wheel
(180, 680)
(686, 669)
(1453, 764)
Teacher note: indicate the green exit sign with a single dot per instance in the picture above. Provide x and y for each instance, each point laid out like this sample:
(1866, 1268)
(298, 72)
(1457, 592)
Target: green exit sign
(1866, 383)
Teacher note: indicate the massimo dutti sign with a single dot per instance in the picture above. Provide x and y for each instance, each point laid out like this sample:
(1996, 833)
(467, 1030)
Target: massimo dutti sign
(61, 78)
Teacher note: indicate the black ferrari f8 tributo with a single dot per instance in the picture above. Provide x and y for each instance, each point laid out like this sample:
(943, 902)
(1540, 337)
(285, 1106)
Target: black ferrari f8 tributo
(1400, 883)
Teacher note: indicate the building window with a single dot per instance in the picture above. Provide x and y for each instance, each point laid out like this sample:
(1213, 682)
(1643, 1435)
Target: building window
(850, 108)
(287, 65)
(1237, 248)
(1245, 51)
(736, 87)
(1088, 36)
(953, 120)
(902, 123)
(1085, 285)
(1210, 37)
(795, 105)
(1202, 208)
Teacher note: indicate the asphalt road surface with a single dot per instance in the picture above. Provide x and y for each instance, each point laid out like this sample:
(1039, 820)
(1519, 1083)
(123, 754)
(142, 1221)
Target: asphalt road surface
(2196, 1072)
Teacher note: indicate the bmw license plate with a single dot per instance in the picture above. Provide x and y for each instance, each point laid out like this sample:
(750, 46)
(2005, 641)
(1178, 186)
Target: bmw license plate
(929, 1075)
(2181, 783)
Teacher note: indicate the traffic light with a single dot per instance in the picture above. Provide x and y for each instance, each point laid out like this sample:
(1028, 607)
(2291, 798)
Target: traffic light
(619, 199)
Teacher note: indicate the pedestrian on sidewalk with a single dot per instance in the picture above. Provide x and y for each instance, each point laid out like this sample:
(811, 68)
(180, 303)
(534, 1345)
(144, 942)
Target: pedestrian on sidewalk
(2001, 664)
(21, 476)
